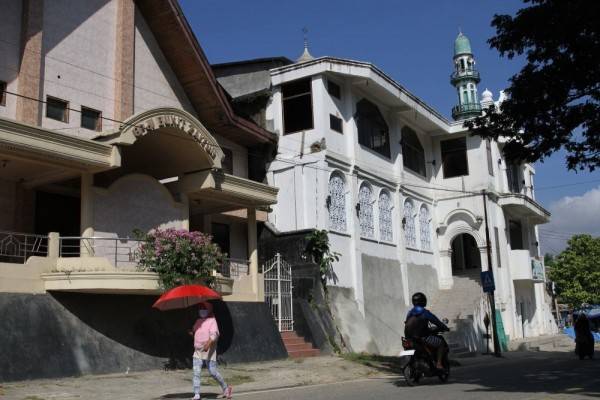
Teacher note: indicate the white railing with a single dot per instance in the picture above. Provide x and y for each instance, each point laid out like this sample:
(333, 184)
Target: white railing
(18, 247)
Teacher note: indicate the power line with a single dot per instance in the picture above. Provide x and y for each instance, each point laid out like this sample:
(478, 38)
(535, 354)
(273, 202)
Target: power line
(86, 70)
(566, 185)
(115, 121)
(171, 99)
(112, 78)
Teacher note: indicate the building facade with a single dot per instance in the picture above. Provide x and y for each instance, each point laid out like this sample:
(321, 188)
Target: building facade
(399, 189)
(110, 123)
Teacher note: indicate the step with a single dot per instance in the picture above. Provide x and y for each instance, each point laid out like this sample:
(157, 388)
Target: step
(298, 347)
(291, 341)
(304, 353)
(289, 334)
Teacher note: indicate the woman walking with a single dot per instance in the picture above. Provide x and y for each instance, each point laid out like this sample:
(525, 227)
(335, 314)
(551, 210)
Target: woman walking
(206, 335)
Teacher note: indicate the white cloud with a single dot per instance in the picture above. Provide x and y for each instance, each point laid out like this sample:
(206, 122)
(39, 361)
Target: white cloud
(571, 214)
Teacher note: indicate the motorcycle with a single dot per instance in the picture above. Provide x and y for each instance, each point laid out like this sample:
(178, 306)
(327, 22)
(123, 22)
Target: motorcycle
(418, 361)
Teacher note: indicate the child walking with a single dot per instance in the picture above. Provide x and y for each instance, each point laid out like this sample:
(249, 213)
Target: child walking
(206, 335)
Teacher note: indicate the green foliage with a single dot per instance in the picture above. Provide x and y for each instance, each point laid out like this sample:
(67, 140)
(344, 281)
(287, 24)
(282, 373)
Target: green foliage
(318, 248)
(554, 101)
(576, 271)
(179, 257)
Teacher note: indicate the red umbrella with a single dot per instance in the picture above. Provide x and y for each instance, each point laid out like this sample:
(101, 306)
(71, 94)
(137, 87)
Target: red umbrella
(185, 296)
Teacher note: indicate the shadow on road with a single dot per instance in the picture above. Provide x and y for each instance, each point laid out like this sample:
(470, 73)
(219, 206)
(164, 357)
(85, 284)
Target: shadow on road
(534, 372)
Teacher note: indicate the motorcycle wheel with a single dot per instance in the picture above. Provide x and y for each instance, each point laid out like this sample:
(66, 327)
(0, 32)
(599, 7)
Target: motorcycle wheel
(411, 375)
(446, 373)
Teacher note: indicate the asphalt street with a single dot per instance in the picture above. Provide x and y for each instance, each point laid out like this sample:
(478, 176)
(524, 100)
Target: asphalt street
(525, 376)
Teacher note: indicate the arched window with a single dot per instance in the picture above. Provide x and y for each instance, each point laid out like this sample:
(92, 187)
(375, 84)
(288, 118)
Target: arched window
(413, 154)
(425, 228)
(410, 236)
(373, 131)
(386, 231)
(336, 202)
(365, 213)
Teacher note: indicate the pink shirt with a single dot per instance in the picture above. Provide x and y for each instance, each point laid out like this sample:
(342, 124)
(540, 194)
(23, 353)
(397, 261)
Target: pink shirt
(205, 329)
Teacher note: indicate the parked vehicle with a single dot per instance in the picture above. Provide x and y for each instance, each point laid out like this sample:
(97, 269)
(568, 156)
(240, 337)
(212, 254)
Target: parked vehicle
(418, 360)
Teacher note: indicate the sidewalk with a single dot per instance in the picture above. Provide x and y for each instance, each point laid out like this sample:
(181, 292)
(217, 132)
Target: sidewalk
(159, 385)
(178, 384)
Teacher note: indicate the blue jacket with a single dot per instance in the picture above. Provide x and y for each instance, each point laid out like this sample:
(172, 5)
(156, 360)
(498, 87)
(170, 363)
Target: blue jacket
(419, 311)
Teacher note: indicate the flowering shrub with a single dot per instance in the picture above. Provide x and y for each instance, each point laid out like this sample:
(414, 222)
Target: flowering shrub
(178, 256)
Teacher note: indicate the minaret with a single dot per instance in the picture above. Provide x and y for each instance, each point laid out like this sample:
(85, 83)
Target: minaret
(306, 56)
(465, 79)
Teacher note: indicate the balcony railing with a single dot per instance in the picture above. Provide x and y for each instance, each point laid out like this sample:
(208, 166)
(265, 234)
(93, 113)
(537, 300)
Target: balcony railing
(122, 252)
(18, 247)
(468, 109)
(469, 73)
(234, 268)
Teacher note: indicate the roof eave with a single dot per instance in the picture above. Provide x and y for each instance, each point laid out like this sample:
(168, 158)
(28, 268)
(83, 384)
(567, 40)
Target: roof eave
(224, 118)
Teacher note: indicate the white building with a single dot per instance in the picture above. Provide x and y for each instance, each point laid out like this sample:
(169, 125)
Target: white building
(398, 187)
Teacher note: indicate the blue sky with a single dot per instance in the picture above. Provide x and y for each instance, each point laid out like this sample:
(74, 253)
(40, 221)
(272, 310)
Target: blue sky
(411, 41)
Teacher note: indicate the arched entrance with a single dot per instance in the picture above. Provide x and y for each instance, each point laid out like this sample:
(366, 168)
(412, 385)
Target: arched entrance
(466, 258)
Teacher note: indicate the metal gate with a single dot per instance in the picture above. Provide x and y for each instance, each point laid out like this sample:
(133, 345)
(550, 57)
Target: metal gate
(278, 292)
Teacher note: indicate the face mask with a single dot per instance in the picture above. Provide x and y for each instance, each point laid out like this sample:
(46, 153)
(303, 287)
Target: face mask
(203, 313)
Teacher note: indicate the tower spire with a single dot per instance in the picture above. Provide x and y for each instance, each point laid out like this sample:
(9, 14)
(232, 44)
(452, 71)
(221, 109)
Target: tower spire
(465, 79)
(306, 56)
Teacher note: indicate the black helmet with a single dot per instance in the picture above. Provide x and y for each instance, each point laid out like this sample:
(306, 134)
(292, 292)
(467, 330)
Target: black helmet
(419, 299)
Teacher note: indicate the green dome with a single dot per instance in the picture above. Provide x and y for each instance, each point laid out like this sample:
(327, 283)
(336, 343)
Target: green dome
(462, 45)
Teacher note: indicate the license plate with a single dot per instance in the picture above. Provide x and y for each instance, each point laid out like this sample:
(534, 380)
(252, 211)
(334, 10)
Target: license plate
(404, 353)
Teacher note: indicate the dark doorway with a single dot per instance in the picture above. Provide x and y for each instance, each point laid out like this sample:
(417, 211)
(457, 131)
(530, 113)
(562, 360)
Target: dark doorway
(57, 213)
(465, 255)
(221, 236)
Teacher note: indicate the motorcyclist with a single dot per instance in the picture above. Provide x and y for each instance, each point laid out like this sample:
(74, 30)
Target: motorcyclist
(416, 326)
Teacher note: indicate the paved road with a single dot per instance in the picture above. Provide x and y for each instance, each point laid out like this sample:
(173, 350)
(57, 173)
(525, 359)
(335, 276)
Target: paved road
(524, 376)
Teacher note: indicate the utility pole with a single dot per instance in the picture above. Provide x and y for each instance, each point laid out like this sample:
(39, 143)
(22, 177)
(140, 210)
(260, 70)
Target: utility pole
(491, 270)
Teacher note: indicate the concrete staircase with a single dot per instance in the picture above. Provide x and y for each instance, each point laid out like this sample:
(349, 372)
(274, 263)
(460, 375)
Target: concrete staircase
(458, 305)
(297, 346)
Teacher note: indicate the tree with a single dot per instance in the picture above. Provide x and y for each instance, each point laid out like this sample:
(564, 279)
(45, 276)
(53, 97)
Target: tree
(319, 248)
(554, 101)
(576, 271)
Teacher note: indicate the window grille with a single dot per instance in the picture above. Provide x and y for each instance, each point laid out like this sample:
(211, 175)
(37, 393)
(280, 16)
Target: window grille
(385, 217)
(425, 228)
(410, 236)
(337, 203)
(365, 214)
